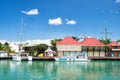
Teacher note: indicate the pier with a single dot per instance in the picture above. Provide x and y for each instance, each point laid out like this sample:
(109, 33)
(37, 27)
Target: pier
(9, 57)
(44, 58)
(104, 58)
(52, 58)
(34, 58)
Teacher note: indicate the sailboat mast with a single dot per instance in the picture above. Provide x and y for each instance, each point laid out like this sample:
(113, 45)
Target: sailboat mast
(21, 34)
(21, 30)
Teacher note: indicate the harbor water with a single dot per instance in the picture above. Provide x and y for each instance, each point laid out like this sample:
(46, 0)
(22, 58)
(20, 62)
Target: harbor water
(51, 70)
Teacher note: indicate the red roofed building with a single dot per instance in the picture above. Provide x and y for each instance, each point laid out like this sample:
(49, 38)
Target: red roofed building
(68, 47)
(93, 47)
(113, 43)
(91, 42)
(90, 46)
(114, 49)
(68, 40)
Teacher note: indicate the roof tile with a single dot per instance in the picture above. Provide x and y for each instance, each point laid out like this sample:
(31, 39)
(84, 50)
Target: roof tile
(113, 43)
(91, 42)
(67, 40)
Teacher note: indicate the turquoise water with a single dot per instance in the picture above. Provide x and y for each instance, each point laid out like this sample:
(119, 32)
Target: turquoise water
(51, 70)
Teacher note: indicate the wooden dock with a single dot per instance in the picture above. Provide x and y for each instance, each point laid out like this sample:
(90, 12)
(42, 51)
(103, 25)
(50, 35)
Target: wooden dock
(34, 58)
(44, 58)
(104, 58)
(9, 57)
(52, 58)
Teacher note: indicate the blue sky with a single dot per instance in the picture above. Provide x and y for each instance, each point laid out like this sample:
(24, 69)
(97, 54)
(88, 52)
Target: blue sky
(49, 19)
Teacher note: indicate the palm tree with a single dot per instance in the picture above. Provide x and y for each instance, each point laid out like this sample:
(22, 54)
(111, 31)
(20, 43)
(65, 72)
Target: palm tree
(6, 47)
(76, 38)
(105, 41)
(53, 42)
(1, 46)
(118, 40)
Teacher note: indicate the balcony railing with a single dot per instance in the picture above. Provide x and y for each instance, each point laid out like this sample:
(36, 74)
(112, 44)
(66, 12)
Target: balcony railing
(115, 49)
(91, 48)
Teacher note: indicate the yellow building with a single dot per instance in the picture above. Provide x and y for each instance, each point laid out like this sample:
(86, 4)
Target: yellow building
(68, 47)
(90, 46)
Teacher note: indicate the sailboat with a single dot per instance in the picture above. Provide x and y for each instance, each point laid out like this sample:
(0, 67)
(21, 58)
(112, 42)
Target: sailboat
(21, 55)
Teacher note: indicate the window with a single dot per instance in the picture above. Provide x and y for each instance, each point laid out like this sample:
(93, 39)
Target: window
(72, 46)
(115, 47)
(91, 48)
(66, 47)
(60, 46)
(119, 54)
(84, 47)
(79, 46)
(96, 48)
(111, 54)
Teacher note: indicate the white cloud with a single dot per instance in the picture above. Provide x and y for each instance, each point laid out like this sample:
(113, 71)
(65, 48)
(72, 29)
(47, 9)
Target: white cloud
(31, 12)
(56, 21)
(71, 22)
(117, 1)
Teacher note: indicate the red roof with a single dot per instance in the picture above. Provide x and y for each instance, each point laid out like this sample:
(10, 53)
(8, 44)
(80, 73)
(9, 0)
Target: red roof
(113, 43)
(67, 40)
(91, 42)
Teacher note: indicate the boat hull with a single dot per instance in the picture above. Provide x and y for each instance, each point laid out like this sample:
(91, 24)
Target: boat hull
(16, 58)
(71, 59)
(30, 58)
(19, 57)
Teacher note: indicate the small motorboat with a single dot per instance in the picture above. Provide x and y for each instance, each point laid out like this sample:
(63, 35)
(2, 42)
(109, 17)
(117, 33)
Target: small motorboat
(72, 58)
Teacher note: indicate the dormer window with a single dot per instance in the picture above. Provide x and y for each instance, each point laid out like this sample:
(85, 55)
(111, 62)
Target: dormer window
(115, 47)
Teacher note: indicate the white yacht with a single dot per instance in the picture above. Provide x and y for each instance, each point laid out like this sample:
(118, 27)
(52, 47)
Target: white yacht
(16, 57)
(21, 56)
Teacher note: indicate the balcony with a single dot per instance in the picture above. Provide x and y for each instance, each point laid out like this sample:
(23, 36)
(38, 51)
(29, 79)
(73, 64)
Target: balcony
(115, 49)
(91, 48)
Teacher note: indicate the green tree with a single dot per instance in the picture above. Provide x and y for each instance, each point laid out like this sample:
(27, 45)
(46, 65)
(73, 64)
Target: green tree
(6, 47)
(53, 42)
(38, 48)
(105, 41)
(41, 48)
(1, 46)
(118, 40)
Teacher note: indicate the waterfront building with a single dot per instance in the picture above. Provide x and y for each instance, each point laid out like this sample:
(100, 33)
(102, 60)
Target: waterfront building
(68, 47)
(93, 47)
(114, 49)
(90, 46)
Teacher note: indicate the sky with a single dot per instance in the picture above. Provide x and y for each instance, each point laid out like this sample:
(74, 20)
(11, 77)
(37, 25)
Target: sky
(50, 19)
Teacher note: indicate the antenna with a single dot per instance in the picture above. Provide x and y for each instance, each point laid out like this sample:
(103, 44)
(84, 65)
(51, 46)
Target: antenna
(106, 31)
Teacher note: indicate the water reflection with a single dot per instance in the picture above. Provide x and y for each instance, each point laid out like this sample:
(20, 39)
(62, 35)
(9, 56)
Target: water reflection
(50, 70)
(70, 70)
